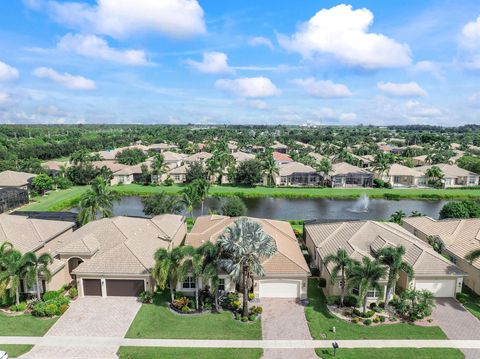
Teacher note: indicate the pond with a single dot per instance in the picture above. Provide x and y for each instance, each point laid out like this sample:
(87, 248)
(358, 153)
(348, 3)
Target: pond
(306, 209)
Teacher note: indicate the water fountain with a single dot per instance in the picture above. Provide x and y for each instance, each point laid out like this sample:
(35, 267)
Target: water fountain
(361, 206)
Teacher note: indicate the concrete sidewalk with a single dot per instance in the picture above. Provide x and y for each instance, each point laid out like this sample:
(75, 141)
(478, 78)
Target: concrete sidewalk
(264, 344)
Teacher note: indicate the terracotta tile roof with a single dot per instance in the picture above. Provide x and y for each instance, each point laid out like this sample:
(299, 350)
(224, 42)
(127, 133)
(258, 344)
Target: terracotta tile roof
(281, 157)
(288, 259)
(15, 179)
(363, 238)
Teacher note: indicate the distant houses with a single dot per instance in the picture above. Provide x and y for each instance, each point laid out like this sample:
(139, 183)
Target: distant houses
(344, 174)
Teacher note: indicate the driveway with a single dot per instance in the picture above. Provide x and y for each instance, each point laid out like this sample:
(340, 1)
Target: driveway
(90, 317)
(457, 323)
(285, 319)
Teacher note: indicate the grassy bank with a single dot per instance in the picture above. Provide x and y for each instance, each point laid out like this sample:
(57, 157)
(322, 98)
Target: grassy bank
(184, 353)
(392, 353)
(64, 199)
(24, 325)
(15, 350)
(473, 302)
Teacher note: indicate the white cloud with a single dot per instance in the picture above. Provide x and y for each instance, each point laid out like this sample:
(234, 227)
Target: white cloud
(408, 89)
(343, 33)
(431, 67)
(470, 36)
(95, 47)
(348, 116)
(7, 72)
(213, 63)
(474, 99)
(261, 41)
(4, 97)
(65, 79)
(417, 111)
(249, 87)
(124, 18)
(323, 89)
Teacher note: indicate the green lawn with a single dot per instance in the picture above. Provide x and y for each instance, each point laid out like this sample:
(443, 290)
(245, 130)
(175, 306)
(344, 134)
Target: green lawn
(187, 353)
(157, 321)
(392, 353)
(473, 302)
(15, 350)
(321, 321)
(56, 200)
(24, 325)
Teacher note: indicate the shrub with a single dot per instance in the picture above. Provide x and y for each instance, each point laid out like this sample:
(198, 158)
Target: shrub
(234, 207)
(350, 301)
(146, 297)
(21, 307)
(367, 322)
(251, 296)
(462, 297)
(376, 320)
(378, 183)
(252, 317)
(13, 308)
(359, 313)
(238, 316)
(356, 320)
(51, 309)
(381, 318)
(185, 309)
(38, 309)
(181, 303)
(372, 305)
(391, 196)
(332, 299)
(256, 310)
(73, 292)
(168, 181)
(322, 282)
(52, 294)
(381, 305)
(315, 272)
(62, 309)
(244, 319)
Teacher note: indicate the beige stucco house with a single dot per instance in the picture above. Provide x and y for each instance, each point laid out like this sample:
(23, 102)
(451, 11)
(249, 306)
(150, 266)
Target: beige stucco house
(286, 272)
(295, 174)
(364, 238)
(115, 256)
(402, 176)
(454, 176)
(459, 237)
(344, 174)
(14, 179)
(38, 236)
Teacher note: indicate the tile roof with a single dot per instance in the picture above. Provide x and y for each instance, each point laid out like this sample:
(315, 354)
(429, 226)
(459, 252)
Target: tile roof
(288, 259)
(400, 170)
(240, 156)
(281, 157)
(449, 171)
(288, 169)
(15, 179)
(344, 168)
(199, 156)
(363, 238)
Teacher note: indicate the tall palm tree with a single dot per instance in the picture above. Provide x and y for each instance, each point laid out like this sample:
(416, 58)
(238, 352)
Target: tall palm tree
(193, 264)
(473, 255)
(397, 217)
(201, 186)
(38, 266)
(189, 198)
(247, 245)
(99, 198)
(392, 257)
(211, 267)
(365, 276)
(324, 167)
(382, 164)
(435, 176)
(168, 268)
(159, 166)
(14, 272)
(80, 157)
(5, 249)
(341, 262)
(270, 168)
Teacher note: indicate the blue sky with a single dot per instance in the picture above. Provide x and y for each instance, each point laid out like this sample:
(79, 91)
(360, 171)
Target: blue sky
(240, 62)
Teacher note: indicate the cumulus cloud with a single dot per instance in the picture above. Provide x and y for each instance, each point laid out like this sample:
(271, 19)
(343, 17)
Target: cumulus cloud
(4, 97)
(248, 87)
(323, 89)
(416, 111)
(124, 18)
(342, 33)
(261, 41)
(7, 72)
(95, 47)
(408, 89)
(431, 67)
(213, 63)
(470, 44)
(65, 79)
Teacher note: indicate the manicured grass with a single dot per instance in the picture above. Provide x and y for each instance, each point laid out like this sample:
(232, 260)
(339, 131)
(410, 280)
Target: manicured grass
(187, 353)
(56, 200)
(157, 321)
(24, 325)
(473, 302)
(392, 353)
(289, 192)
(321, 321)
(15, 350)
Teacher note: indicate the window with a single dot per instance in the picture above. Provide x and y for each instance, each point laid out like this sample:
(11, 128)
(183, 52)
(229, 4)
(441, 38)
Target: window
(397, 179)
(283, 179)
(189, 283)
(472, 180)
(355, 291)
(177, 177)
(372, 293)
(221, 284)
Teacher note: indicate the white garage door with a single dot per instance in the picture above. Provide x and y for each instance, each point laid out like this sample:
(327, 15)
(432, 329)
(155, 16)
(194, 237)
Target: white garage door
(279, 288)
(439, 288)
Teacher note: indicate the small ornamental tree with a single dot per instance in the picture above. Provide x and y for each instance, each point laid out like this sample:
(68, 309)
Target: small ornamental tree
(234, 207)
(248, 173)
(42, 183)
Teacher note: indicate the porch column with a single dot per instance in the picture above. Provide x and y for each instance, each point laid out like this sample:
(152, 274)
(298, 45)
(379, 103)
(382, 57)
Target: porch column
(104, 287)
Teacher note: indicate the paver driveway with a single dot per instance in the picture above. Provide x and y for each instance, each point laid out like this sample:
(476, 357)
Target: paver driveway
(457, 323)
(90, 317)
(285, 319)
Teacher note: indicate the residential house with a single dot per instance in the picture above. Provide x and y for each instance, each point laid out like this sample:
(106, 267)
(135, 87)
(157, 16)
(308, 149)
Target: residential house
(286, 272)
(179, 174)
(240, 156)
(295, 174)
(122, 174)
(115, 256)
(403, 176)
(162, 147)
(316, 156)
(344, 174)
(454, 176)
(110, 155)
(458, 237)
(14, 179)
(419, 160)
(38, 236)
(279, 147)
(55, 167)
(364, 161)
(201, 157)
(281, 158)
(173, 159)
(232, 147)
(362, 239)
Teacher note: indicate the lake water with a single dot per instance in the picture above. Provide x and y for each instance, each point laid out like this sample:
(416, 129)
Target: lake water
(307, 209)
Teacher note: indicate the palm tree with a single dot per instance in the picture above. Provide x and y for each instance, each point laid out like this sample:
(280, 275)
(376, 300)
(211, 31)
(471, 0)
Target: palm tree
(5, 249)
(15, 266)
(341, 262)
(435, 176)
(247, 245)
(193, 265)
(97, 199)
(80, 157)
(365, 276)
(159, 166)
(392, 257)
(168, 267)
(325, 167)
(189, 198)
(201, 187)
(38, 266)
(382, 164)
(211, 267)
(416, 214)
(473, 255)
(270, 168)
(397, 217)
